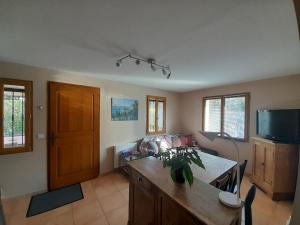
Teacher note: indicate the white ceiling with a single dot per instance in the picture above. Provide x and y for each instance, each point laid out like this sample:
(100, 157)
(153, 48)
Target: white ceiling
(206, 42)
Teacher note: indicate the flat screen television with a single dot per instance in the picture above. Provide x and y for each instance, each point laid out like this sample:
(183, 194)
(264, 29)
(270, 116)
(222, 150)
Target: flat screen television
(279, 125)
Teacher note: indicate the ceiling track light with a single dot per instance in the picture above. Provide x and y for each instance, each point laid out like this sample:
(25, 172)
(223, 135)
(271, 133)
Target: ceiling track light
(166, 71)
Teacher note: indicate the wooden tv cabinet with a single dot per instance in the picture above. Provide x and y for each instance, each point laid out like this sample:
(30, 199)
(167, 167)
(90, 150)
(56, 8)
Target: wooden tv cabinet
(275, 168)
(154, 199)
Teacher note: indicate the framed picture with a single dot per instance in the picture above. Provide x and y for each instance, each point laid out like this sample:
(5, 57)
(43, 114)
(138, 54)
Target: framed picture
(123, 109)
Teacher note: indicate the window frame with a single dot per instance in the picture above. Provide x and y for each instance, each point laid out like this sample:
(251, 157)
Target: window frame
(28, 147)
(157, 99)
(223, 97)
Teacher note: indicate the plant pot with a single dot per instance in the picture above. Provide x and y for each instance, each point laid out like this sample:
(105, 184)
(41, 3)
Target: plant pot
(179, 176)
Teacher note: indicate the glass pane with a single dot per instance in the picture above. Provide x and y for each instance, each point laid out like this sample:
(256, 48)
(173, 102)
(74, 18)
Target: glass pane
(160, 116)
(14, 116)
(212, 115)
(151, 115)
(234, 116)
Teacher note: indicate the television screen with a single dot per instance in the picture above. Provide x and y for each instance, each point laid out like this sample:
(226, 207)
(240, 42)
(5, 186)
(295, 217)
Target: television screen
(279, 125)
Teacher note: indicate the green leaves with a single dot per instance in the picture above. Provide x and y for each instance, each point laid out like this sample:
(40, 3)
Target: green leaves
(179, 161)
(173, 175)
(188, 174)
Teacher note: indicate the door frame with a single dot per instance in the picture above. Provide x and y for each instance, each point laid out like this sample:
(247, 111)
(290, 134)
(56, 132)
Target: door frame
(49, 128)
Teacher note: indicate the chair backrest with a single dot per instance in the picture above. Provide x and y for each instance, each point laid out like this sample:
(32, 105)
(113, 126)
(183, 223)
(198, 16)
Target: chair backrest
(242, 171)
(223, 183)
(248, 202)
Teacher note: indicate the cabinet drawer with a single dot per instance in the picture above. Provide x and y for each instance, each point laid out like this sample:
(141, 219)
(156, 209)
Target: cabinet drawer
(141, 181)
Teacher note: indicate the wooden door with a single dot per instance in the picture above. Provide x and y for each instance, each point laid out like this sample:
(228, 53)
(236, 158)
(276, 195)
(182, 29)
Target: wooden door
(258, 161)
(143, 211)
(73, 151)
(268, 174)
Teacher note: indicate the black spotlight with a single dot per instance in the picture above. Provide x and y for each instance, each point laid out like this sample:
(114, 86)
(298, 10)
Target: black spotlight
(168, 77)
(164, 72)
(153, 68)
(118, 63)
(137, 62)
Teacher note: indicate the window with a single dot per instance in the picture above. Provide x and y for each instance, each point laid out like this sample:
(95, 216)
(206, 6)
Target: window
(16, 114)
(227, 113)
(156, 115)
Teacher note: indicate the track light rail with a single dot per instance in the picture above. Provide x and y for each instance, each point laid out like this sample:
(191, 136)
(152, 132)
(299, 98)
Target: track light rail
(166, 71)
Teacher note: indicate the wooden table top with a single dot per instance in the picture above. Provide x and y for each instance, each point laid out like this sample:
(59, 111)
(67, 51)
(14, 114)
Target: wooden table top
(215, 167)
(201, 199)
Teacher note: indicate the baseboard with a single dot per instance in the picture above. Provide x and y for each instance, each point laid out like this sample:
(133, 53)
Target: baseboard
(16, 195)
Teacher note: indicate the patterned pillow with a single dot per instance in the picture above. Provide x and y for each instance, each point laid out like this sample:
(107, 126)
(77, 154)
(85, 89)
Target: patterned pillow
(144, 148)
(164, 145)
(176, 142)
(184, 141)
(189, 140)
(168, 139)
(153, 147)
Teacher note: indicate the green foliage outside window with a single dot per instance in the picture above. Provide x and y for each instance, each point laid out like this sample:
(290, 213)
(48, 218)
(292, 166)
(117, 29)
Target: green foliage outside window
(13, 120)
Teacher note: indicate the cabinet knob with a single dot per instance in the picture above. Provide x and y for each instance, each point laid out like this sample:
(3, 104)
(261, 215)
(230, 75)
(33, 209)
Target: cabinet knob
(263, 163)
(140, 179)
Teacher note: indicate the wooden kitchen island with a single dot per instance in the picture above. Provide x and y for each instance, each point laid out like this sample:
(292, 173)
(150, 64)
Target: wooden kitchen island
(154, 199)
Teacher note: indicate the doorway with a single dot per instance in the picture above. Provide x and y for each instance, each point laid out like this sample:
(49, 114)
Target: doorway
(73, 134)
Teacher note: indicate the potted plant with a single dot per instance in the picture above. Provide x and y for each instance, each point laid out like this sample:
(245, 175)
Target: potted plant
(179, 161)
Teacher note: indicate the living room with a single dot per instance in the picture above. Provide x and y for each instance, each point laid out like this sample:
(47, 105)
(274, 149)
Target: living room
(241, 51)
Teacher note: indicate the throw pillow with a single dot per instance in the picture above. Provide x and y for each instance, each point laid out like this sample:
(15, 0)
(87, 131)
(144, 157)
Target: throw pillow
(164, 145)
(153, 147)
(176, 142)
(144, 147)
(184, 141)
(189, 140)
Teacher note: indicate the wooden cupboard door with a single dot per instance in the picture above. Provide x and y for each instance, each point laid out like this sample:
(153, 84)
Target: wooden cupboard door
(258, 161)
(142, 205)
(172, 214)
(269, 162)
(73, 134)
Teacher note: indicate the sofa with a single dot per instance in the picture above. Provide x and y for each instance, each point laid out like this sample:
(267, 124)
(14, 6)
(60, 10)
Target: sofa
(150, 145)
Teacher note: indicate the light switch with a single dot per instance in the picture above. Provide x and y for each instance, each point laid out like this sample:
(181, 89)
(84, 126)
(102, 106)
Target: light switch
(40, 136)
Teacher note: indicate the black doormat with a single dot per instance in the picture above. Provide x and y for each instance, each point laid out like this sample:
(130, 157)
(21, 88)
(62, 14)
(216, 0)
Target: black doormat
(51, 200)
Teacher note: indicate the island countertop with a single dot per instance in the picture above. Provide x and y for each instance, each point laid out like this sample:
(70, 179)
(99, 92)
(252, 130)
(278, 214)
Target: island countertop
(201, 199)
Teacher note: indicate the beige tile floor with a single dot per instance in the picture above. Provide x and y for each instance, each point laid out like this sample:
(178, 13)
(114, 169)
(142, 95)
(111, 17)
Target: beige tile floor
(106, 203)
(264, 210)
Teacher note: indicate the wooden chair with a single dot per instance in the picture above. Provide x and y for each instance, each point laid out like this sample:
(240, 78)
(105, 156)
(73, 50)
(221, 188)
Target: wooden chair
(247, 211)
(223, 183)
(232, 186)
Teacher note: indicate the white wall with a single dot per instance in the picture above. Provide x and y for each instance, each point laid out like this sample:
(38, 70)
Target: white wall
(27, 172)
(275, 93)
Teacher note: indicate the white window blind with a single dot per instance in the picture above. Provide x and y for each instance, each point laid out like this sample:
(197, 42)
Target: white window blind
(227, 114)
(212, 115)
(234, 116)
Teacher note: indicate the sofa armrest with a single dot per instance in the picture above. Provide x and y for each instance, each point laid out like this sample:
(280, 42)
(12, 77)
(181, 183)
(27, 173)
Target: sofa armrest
(123, 149)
